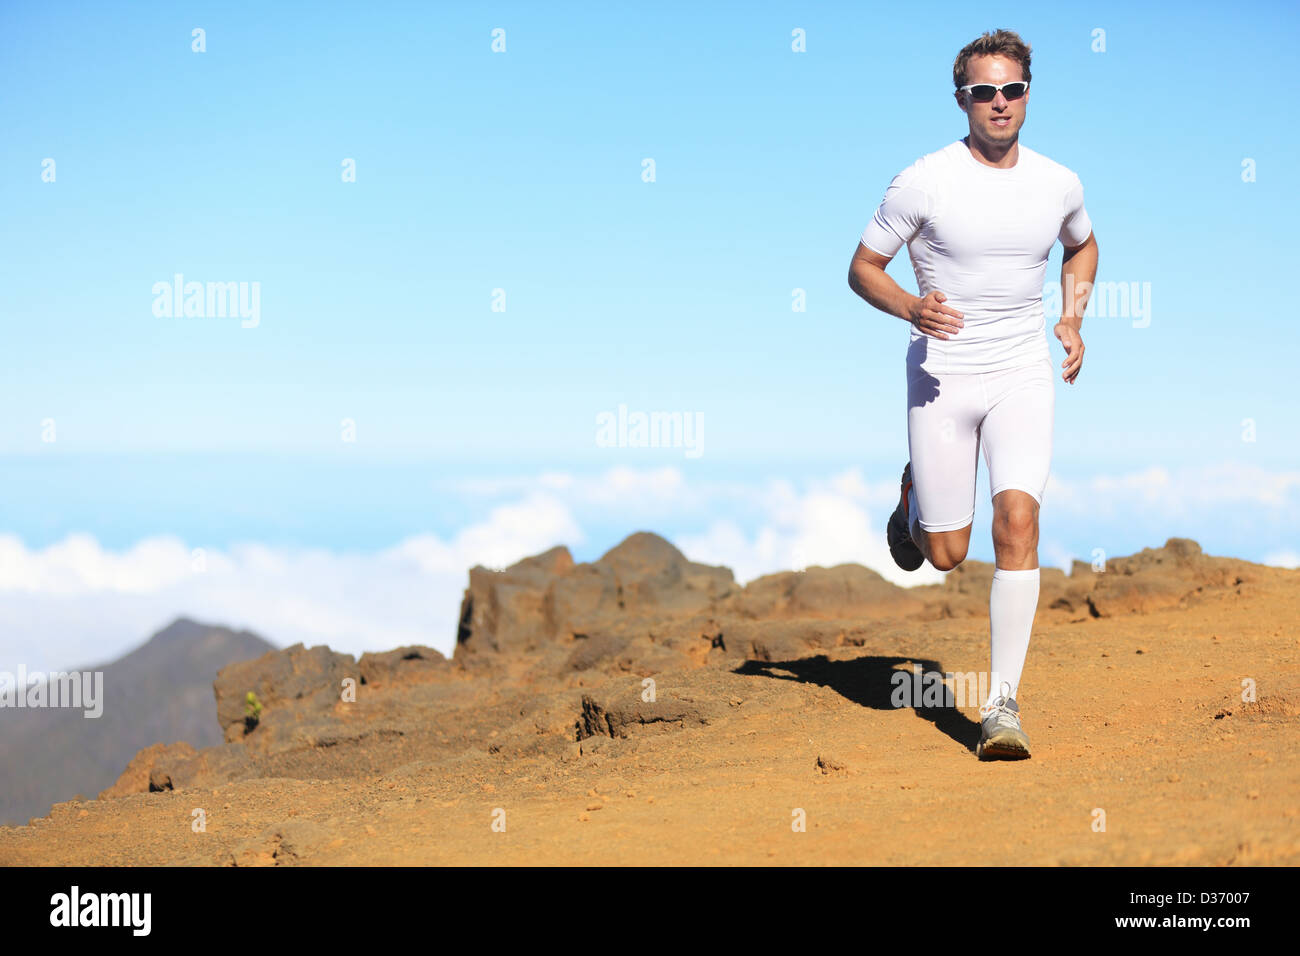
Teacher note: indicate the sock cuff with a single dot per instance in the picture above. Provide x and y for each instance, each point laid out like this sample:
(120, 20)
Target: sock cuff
(1029, 574)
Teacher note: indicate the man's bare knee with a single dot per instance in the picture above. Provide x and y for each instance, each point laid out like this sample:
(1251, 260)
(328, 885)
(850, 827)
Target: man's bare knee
(1015, 528)
(948, 548)
(1015, 521)
(945, 562)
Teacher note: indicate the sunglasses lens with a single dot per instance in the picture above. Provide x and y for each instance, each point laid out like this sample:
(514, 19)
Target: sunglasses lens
(984, 92)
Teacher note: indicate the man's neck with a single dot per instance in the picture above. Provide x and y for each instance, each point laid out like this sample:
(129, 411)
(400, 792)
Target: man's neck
(1003, 157)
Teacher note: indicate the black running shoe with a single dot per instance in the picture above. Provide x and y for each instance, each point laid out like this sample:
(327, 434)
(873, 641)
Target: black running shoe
(901, 546)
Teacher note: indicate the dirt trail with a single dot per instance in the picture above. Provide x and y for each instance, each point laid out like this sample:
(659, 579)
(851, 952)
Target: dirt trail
(1139, 715)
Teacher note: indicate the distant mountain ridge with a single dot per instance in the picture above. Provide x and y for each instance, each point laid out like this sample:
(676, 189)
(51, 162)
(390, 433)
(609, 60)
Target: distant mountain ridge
(161, 691)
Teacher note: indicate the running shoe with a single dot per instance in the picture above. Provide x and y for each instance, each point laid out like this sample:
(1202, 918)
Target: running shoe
(1000, 735)
(901, 546)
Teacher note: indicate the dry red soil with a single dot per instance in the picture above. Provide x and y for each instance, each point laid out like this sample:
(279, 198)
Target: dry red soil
(536, 744)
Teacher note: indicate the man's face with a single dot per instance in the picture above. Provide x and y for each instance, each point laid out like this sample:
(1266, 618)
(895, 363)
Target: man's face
(999, 121)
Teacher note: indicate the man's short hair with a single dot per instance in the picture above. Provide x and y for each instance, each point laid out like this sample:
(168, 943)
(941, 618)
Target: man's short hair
(998, 43)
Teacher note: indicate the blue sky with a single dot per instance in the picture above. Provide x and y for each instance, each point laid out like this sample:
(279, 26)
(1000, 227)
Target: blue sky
(522, 171)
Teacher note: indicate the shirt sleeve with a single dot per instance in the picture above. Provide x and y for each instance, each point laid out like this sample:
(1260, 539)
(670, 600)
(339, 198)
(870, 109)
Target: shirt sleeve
(1076, 227)
(900, 216)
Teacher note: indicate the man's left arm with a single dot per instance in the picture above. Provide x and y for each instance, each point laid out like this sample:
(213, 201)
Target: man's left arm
(1078, 273)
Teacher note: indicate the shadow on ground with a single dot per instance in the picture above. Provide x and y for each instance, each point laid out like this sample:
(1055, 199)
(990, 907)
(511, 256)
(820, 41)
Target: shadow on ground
(870, 682)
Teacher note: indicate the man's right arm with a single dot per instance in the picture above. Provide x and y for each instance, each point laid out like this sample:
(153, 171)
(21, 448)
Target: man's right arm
(867, 277)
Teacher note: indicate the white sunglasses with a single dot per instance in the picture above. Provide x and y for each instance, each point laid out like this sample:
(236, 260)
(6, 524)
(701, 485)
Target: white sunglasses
(985, 92)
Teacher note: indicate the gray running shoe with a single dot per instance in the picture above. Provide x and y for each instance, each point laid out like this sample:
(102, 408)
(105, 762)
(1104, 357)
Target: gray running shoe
(1000, 733)
(901, 546)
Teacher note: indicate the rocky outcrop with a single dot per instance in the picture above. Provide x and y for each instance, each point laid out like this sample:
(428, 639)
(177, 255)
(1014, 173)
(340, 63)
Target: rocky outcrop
(135, 778)
(413, 663)
(503, 610)
(1156, 578)
(311, 678)
(547, 598)
(846, 590)
(631, 713)
(650, 575)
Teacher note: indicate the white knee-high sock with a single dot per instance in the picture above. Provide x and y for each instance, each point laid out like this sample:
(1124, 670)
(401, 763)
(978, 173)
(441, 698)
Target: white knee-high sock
(1013, 599)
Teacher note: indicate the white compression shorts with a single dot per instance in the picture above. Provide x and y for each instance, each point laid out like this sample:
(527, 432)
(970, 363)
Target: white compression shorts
(951, 416)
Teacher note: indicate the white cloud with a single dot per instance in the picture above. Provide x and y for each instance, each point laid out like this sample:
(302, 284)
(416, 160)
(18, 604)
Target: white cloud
(75, 603)
(1187, 492)
(512, 531)
(78, 565)
(1283, 559)
(838, 521)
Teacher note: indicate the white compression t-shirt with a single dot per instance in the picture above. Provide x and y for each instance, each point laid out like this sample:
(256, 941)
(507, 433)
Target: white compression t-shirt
(981, 236)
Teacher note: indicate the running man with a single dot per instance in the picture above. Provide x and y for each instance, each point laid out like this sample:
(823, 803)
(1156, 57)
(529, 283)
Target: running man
(979, 218)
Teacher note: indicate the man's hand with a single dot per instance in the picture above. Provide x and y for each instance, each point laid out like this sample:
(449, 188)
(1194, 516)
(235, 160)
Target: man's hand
(932, 317)
(1073, 343)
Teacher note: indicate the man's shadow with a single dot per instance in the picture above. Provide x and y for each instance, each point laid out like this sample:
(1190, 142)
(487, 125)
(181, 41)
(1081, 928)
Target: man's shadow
(870, 682)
